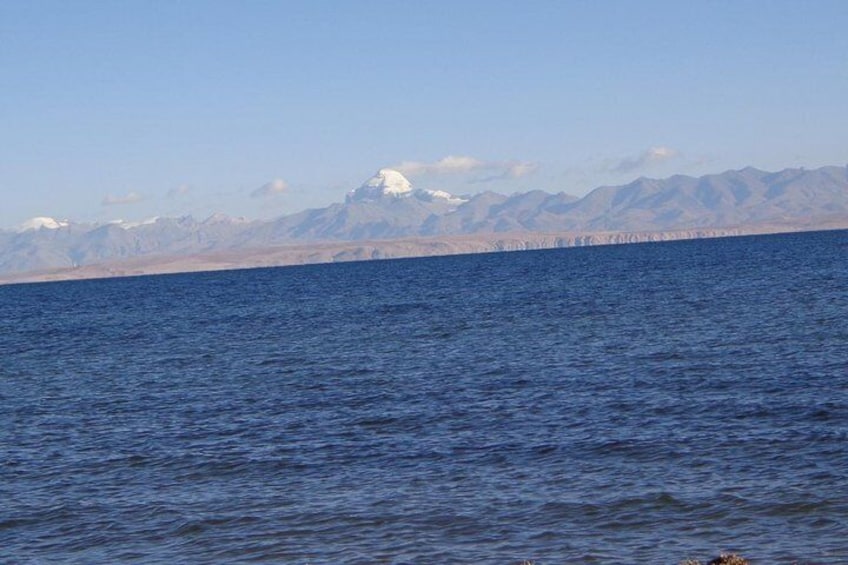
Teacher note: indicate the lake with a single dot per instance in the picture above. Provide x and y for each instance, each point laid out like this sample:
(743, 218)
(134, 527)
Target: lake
(621, 404)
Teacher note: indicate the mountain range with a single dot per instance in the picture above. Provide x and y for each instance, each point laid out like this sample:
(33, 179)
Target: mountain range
(387, 209)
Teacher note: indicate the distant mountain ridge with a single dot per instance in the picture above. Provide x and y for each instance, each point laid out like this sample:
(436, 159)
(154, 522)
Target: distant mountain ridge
(388, 207)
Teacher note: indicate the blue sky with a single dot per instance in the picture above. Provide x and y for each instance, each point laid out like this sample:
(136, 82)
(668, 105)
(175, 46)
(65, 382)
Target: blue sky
(124, 109)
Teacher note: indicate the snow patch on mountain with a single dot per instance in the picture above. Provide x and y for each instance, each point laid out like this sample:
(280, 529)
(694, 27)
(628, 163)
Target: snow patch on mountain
(437, 195)
(130, 225)
(40, 222)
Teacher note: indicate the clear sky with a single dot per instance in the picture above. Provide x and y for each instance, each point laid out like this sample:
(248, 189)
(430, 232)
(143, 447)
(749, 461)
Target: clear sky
(132, 109)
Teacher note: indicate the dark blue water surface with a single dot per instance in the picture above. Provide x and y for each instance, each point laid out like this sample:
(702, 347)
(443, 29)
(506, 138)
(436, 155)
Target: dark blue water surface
(626, 404)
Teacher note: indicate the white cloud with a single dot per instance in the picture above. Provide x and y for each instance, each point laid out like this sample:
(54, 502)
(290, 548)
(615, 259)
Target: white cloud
(181, 190)
(131, 198)
(273, 188)
(458, 164)
(652, 156)
(508, 170)
(447, 165)
(521, 169)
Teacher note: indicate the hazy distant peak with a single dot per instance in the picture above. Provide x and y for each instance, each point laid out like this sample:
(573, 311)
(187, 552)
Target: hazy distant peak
(219, 218)
(42, 222)
(752, 170)
(387, 182)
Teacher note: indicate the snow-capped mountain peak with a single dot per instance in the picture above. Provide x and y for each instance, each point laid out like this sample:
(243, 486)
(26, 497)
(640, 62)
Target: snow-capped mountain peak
(387, 182)
(42, 222)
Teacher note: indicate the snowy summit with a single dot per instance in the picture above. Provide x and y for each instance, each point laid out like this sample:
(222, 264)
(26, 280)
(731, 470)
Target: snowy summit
(387, 182)
(41, 222)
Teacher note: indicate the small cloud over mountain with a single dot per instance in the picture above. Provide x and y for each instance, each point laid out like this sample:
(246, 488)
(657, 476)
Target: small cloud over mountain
(273, 188)
(521, 169)
(509, 170)
(181, 190)
(130, 198)
(458, 164)
(448, 165)
(651, 156)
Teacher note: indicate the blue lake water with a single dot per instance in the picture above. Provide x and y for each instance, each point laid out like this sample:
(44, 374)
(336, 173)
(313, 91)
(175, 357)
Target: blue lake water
(624, 404)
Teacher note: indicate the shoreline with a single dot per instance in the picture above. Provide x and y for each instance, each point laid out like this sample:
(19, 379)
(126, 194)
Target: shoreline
(402, 248)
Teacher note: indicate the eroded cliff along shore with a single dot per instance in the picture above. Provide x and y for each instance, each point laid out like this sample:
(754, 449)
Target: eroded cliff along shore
(335, 252)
